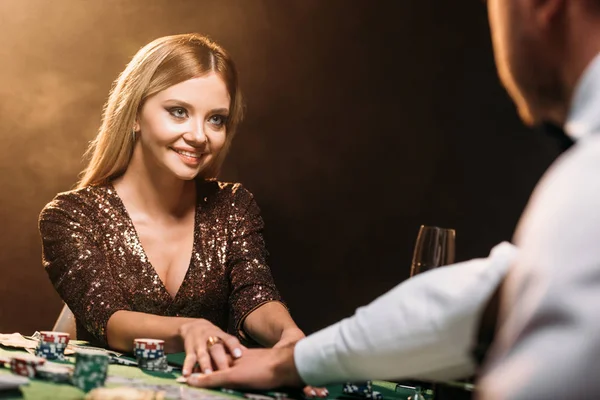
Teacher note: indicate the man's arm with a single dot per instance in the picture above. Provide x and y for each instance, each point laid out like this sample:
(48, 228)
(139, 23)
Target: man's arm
(423, 328)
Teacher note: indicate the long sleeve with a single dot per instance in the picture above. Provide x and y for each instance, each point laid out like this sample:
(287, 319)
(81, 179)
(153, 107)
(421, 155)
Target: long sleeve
(250, 276)
(548, 345)
(423, 328)
(77, 266)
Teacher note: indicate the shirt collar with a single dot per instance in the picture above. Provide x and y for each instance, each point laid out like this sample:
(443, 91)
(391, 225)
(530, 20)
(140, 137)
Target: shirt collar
(584, 115)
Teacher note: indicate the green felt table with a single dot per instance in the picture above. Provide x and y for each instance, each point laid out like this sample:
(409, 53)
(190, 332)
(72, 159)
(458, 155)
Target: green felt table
(40, 389)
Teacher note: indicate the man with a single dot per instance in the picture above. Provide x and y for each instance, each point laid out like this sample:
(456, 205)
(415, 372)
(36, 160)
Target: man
(548, 343)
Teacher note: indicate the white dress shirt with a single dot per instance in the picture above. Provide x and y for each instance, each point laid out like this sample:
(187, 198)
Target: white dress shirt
(423, 328)
(548, 345)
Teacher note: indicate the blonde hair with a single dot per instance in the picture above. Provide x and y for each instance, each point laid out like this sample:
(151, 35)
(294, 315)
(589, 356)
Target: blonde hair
(158, 65)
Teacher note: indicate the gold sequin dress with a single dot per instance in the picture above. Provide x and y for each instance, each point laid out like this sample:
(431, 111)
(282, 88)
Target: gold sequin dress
(96, 262)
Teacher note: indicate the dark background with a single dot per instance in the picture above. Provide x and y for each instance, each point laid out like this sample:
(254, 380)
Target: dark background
(365, 119)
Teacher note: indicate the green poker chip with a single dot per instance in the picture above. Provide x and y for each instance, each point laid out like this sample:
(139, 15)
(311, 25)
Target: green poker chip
(91, 369)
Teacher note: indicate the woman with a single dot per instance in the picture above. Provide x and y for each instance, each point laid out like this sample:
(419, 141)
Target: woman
(148, 244)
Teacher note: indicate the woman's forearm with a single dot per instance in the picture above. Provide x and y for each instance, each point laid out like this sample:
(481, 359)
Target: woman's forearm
(271, 323)
(125, 326)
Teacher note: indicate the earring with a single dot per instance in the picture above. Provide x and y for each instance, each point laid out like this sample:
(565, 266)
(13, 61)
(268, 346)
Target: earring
(133, 135)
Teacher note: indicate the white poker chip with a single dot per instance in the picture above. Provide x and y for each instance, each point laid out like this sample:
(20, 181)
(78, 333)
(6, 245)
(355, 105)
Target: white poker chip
(124, 393)
(12, 381)
(255, 396)
(55, 372)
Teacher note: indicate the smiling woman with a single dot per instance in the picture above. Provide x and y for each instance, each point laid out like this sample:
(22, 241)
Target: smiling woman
(183, 126)
(149, 244)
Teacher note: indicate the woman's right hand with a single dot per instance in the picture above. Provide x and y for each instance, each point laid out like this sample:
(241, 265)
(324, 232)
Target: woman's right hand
(207, 345)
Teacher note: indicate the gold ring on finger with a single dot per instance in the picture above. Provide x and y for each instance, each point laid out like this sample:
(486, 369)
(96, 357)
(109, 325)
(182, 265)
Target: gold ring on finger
(212, 340)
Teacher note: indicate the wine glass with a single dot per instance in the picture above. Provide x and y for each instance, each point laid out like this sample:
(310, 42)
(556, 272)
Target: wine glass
(434, 247)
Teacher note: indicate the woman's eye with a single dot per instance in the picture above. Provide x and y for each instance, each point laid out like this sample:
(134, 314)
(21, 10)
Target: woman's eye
(178, 112)
(218, 120)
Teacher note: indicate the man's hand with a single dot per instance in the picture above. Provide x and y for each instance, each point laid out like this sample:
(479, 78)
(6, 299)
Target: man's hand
(289, 337)
(257, 369)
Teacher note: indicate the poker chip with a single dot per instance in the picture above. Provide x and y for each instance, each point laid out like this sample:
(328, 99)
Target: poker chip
(122, 393)
(91, 368)
(362, 390)
(150, 354)
(54, 337)
(26, 364)
(148, 348)
(55, 372)
(12, 382)
(52, 345)
(154, 364)
(256, 396)
(374, 395)
(123, 361)
(51, 351)
(350, 388)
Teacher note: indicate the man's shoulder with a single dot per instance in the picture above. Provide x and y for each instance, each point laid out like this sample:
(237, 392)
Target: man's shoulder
(576, 170)
(567, 196)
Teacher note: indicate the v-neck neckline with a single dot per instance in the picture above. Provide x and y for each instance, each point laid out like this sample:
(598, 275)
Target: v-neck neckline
(157, 277)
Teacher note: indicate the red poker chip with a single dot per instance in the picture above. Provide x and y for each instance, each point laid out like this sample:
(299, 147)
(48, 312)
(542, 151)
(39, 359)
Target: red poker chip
(149, 344)
(26, 365)
(55, 337)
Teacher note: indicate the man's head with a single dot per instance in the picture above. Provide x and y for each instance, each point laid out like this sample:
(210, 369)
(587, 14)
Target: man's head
(541, 48)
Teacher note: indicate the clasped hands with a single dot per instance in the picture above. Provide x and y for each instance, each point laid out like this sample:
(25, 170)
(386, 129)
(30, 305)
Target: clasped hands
(224, 362)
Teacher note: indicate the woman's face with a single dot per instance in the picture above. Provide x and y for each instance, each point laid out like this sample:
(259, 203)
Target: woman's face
(182, 129)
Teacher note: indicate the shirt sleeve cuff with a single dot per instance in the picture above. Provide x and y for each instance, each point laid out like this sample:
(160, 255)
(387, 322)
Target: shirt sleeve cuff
(316, 359)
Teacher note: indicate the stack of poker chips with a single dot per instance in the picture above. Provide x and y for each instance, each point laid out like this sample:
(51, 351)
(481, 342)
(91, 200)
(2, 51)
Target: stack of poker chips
(52, 345)
(150, 354)
(91, 368)
(363, 390)
(55, 372)
(26, 365)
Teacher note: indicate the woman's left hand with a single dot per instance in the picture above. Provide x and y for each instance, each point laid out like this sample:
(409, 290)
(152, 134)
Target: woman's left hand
(207, 345)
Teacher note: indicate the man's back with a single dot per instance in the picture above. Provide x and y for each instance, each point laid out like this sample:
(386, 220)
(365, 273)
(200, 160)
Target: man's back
(548, 345)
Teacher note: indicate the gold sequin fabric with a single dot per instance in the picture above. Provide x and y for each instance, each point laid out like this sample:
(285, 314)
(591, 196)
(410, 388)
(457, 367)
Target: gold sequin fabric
(96, 262)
